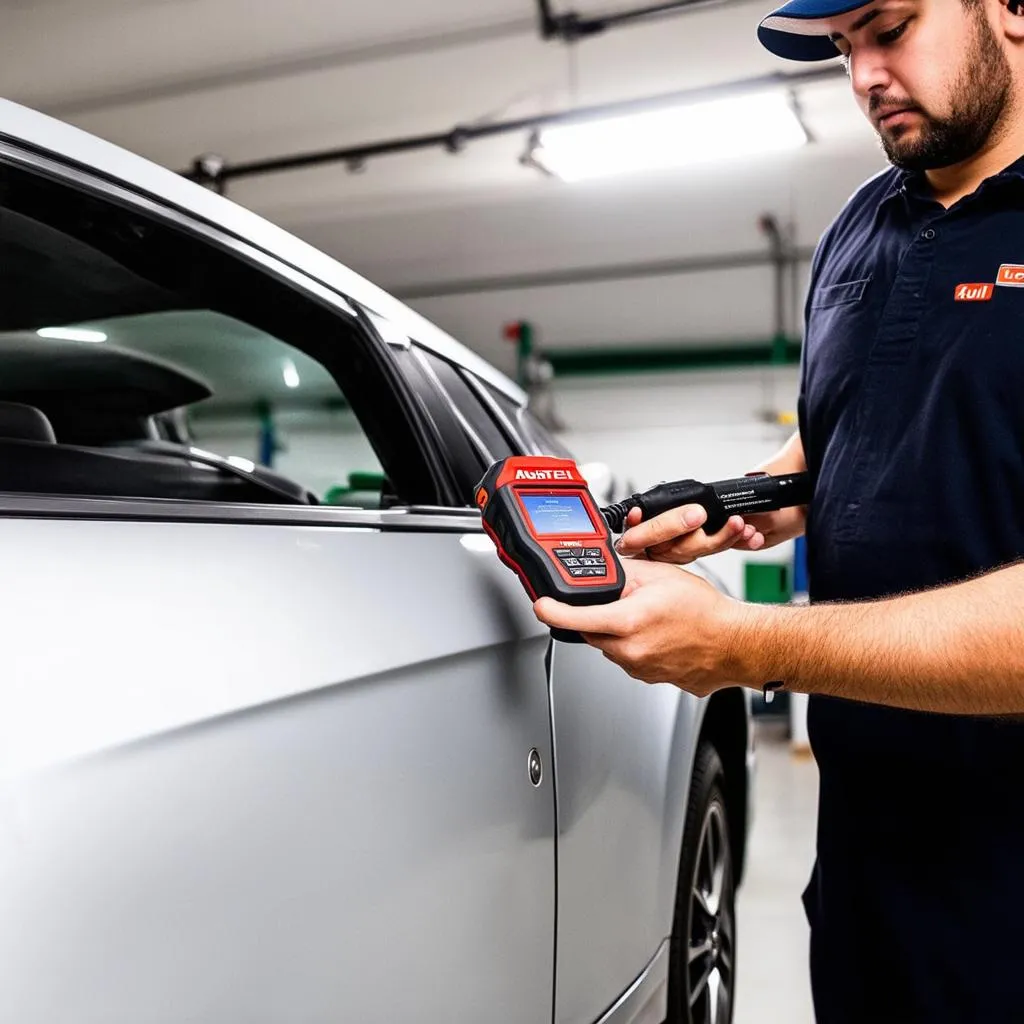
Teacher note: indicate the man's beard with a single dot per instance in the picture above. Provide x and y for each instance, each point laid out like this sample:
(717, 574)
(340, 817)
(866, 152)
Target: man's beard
(979, 98)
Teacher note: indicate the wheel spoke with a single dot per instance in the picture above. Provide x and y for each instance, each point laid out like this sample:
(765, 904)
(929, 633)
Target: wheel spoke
(714, 898)
(725, 952)
(698, 990)
(714, 996)
(702, 901)
(725, 961)
(696, 952)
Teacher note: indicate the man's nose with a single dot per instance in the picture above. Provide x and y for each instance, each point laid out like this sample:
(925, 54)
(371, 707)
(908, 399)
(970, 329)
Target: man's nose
(868, 73)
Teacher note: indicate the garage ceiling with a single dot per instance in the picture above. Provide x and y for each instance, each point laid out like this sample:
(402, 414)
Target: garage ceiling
(256, 78)
(251, 79)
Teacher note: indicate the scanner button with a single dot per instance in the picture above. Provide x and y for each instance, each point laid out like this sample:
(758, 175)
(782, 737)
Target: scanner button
(593, 552)
(571, 561)
(578, 572)
(563, 552)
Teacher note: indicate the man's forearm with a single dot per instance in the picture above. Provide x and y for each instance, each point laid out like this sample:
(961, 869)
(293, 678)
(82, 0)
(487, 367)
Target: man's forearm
(957, 649)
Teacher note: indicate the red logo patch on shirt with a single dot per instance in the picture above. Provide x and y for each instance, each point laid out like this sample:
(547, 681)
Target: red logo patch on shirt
(974, 292)
(1011, 275)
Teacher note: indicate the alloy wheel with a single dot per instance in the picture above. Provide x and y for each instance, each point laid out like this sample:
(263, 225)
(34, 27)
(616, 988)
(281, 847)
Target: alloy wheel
(711, 949)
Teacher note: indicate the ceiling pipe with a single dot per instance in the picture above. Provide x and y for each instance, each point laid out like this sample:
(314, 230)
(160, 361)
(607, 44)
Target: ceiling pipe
(215, 172)
(571, 26)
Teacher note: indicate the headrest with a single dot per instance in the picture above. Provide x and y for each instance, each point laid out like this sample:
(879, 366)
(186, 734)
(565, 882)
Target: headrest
(25, 423)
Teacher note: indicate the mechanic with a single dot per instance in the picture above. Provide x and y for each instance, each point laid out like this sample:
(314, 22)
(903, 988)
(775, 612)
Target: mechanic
(911, 423)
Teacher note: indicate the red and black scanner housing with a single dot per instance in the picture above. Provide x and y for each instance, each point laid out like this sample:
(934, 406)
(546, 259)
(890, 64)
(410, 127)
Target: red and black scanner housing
(548, 529)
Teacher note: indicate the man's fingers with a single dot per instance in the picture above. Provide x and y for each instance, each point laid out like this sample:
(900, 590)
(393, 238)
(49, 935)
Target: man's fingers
(755, 543)
(668, 526)
(682, 550)
(601, 618)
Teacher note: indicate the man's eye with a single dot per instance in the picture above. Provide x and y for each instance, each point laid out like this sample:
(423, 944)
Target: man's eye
(885, 38)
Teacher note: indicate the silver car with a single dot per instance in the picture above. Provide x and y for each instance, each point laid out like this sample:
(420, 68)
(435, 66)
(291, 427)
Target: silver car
(280, 738)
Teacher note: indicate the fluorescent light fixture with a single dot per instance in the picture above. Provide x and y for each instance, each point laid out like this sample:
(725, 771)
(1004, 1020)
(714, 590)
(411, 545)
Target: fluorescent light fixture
(291, 374)
(709, 132)
(71, 334)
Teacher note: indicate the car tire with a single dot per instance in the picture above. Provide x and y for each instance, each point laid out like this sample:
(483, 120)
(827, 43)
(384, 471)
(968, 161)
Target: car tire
(702, 968)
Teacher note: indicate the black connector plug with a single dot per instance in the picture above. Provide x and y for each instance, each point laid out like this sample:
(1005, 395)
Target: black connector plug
(746, 495)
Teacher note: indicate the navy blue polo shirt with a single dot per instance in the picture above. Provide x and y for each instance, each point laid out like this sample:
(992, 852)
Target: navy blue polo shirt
(912, 421)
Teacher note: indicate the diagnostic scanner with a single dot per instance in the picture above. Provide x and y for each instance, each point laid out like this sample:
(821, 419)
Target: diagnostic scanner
(549, 530)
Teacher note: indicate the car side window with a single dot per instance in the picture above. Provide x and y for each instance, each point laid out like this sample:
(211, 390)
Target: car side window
(536, 437)
(545, 440)
(139, 359)
(477, 419)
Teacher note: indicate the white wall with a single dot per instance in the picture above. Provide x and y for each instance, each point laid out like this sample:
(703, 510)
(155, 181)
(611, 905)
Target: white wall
(704, 425)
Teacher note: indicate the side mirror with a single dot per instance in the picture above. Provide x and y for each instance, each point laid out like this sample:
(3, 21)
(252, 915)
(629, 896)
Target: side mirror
(600, 480)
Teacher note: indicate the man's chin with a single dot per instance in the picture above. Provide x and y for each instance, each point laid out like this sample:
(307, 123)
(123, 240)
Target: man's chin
(905, 154)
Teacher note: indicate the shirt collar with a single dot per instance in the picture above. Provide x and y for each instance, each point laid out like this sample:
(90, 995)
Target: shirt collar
(914, 184)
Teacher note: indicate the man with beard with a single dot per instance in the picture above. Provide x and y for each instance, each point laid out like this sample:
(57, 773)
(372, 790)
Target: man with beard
(911, 424)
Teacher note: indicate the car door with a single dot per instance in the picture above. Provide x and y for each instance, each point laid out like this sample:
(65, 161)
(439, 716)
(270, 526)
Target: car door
(260, 760)
(622, 763)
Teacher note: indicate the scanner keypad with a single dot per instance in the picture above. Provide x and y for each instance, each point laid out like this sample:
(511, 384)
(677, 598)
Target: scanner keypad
(583, 563)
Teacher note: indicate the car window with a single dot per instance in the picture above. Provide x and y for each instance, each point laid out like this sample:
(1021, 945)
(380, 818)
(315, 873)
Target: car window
(139, 360)
(270, 403)
(477, 418)
(547, 442)
(536, 437)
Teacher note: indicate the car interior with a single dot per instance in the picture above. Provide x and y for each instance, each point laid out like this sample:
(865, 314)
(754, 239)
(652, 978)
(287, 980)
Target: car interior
(178, 349)
(86, 419)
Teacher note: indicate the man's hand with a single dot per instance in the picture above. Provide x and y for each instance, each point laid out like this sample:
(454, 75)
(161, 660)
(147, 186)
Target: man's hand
(669, 626)
(676, 536)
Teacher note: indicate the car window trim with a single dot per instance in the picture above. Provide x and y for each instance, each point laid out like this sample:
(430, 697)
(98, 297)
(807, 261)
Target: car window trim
(468, 429)
(454, 441)
(410, 518)
(516, 438)
(74, 175)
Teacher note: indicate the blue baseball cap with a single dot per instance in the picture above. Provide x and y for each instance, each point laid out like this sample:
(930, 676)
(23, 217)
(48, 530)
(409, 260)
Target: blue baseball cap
(796, 30)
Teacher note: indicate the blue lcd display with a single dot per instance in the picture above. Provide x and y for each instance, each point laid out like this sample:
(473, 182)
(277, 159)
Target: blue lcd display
(557, 515)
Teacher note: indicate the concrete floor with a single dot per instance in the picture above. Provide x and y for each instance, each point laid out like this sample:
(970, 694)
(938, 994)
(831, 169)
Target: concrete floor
(772, 985)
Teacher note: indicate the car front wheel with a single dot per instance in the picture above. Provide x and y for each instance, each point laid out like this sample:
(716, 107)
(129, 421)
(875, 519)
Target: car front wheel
(703, 959)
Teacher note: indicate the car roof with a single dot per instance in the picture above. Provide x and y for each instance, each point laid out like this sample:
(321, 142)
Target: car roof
(72, 145)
